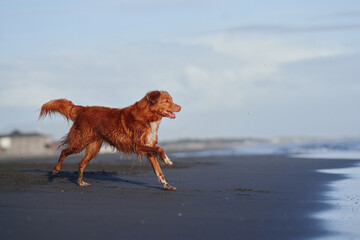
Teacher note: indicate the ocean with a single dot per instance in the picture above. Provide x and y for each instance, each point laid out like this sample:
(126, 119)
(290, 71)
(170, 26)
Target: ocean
(348, 148)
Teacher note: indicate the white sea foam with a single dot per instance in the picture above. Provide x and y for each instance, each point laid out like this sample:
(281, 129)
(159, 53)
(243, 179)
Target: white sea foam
(344, 217)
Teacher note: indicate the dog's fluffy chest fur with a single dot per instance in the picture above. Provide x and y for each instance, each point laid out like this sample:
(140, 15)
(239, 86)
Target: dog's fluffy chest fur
(152, 135)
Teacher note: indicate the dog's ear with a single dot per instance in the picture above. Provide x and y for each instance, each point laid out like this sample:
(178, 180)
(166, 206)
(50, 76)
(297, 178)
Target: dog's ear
(153, 96)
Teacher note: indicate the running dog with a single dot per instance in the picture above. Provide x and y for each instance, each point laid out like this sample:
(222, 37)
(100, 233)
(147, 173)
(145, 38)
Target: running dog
(133, 129)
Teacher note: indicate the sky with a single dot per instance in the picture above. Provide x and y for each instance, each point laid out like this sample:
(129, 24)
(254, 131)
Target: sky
(238, 68)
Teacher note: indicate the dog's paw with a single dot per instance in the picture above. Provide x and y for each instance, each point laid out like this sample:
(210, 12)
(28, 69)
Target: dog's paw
(168, 187)
(167, 161)
(83, 184)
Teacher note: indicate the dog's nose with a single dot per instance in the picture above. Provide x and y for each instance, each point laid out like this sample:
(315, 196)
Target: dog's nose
(179, 108)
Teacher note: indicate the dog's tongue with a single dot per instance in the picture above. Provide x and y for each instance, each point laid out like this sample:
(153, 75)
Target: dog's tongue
(170, 114)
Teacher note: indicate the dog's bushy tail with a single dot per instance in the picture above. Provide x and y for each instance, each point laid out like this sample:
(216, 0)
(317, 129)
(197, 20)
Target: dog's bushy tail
(61, 106)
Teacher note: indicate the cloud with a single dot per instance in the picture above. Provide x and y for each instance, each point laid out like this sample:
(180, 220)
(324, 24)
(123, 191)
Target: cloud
(340, 15)
(90, 77)
(213, 88)
(248, 67)
(272, 49)
(26, 96)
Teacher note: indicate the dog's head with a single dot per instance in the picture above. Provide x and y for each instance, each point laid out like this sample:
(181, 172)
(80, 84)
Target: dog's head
(161, 103)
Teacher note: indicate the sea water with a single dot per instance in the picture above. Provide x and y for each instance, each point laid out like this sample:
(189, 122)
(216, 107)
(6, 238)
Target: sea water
(341, 148)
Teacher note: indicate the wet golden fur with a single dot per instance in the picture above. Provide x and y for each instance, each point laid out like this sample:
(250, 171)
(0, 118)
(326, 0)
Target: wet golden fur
(130, 130)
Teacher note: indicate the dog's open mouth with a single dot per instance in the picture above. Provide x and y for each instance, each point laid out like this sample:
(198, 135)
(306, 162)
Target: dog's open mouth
(169, 114)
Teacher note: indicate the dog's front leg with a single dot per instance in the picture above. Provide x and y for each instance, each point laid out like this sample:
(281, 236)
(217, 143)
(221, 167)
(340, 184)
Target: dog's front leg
(164, 158)
(152, 153)
(158, 150)
(155, 165)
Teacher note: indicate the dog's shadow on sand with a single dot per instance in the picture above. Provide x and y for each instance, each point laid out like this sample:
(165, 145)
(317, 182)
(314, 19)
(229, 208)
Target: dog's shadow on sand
(72, 176)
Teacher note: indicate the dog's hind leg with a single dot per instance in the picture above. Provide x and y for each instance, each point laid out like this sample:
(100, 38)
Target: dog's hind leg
(74, 144)
(64, 153)
(91, 151)
(155, 165)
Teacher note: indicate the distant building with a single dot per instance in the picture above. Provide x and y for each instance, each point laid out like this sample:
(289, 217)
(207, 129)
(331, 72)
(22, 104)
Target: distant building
(20, 144)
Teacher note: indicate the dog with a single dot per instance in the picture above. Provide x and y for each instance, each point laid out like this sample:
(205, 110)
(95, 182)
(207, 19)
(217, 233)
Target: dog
(131, 130)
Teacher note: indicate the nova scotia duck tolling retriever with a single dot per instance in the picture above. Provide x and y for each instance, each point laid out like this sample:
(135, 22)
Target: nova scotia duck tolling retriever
(130, 130)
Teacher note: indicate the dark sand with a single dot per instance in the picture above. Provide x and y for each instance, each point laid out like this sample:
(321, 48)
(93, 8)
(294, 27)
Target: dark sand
(246, 197)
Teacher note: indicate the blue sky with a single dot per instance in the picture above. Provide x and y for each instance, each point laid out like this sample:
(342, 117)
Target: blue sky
(238, 68)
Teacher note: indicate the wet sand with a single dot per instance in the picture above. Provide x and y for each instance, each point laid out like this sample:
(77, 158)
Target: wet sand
(241, 197)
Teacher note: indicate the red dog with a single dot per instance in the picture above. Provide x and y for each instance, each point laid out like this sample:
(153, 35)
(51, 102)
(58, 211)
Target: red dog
(130, 130)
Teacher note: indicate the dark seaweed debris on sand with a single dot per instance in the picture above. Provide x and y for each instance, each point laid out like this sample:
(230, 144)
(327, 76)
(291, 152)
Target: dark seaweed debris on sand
(249, 191)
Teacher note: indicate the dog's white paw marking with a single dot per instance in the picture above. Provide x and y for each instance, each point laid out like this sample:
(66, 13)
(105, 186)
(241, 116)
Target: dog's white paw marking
(167, 161)
(161, 179)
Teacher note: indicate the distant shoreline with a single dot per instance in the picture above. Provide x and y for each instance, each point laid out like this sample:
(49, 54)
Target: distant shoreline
(240, 146)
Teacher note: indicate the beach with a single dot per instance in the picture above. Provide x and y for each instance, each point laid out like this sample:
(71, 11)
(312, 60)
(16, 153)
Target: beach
(218, 197)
